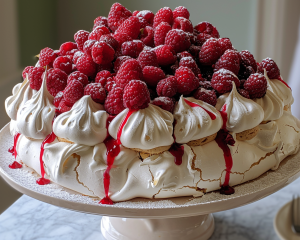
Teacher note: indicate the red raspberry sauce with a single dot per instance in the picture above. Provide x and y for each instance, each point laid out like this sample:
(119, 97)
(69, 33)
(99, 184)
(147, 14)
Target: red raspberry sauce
(112, 151)
(13, 151)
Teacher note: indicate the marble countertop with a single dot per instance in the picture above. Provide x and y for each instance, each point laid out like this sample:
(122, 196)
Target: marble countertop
(31, 219)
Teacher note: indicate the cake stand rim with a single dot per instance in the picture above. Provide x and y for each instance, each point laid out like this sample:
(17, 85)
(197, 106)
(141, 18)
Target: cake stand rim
(161, 212)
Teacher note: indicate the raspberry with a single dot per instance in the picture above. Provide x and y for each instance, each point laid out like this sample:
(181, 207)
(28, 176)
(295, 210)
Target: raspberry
(87, 47)
(181, 12)
(210, 52)
(183, 24)
(165, 55)
(208, 28)
(57, 99)
(102, 53)
(135, 12)
(102, 76)
(165, 103)
(152, 75)
(178, 39)
(46, 57)
(208, 96)
(77, 55)
(98, 32)
(66, 48)
(63, 63)
(80, 37)
(147, 36)
(190, 63)
(86, 65)
(136, 95)
(202, 37)
(100, 21)
(225, 44)
(206, 85)
(130, 27)
(109, 39)
(122, 37)
(79, 77)
(119, 61)
(243, 93)
(167, 87)
(163, 15)
(147, 58)
(146, 18)
(132, 48)
(194, 50)
(114, 102)
(110, 84)
(160, 33)
(186, 80)
(247, 59)
(256, 85)
(222, 81)
(117, 15)
(130, 70)
(35, 77)
(26, 71)
(63, 107)
(271, 67)
(183, 54)
(73, 92)
(96, 91)
(229, 60)
(56, 81)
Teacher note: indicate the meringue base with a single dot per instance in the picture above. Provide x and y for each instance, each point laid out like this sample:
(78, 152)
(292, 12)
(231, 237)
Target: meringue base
(247, 134)
(202, 141)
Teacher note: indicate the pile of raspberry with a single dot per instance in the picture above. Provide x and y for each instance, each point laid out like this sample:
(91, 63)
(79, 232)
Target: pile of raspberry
(131, 59)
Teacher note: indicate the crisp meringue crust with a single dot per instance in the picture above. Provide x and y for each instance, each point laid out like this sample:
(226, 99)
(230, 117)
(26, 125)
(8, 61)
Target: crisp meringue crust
(35, 117)
(193, 123)
(84, 124)
(22, 92)
(242, 113)
(145, 129)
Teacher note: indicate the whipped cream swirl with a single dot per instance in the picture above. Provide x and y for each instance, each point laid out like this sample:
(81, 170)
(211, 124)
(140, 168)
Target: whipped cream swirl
(242, 113)
(272, 106)
(22, 92)
(145, 129)
(193, 123)
(34, 118)
(280, 90)
(84, 124)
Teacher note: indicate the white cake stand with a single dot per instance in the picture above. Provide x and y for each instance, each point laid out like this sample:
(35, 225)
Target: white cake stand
(185, 218)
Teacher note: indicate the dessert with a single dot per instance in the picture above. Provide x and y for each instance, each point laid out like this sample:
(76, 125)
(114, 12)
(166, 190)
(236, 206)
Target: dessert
(146, 105)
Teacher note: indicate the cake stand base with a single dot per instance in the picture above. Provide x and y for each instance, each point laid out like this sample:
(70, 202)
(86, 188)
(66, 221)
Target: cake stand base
(187, 228)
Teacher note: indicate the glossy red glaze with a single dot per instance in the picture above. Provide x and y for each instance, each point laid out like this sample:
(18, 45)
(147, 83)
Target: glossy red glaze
(177, 151)
(120, 130)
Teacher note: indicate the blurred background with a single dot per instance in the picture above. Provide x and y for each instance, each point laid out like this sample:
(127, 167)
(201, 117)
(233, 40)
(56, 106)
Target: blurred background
(267, 28)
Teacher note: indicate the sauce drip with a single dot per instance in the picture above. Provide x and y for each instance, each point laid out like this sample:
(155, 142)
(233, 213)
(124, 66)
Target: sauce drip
(112, 151)
(221, 141)
(15, 165)
(108, 121)
(177, 151)
(13, 151)
(191, 104)
(49, 139)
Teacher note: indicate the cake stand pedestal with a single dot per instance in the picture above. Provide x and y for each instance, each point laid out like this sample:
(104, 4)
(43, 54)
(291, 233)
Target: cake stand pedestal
(185, 218)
